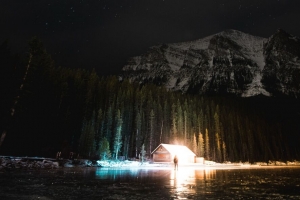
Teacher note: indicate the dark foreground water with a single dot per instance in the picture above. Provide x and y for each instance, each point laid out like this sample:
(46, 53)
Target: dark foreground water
(152, 183)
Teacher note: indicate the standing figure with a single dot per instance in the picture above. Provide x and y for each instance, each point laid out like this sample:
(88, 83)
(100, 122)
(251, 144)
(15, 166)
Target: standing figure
(176, 162)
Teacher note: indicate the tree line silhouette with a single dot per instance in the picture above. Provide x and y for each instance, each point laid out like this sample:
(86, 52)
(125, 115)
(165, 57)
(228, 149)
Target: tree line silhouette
(76, 110)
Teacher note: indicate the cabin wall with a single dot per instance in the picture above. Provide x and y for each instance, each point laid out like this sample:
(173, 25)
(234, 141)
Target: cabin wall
(167, 153)
(167, 157)
(186, 159)
(200, 160)
(162, 157)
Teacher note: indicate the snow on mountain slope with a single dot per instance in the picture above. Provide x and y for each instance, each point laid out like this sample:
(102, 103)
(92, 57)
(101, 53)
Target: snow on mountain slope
(227, 62)
(252, 45)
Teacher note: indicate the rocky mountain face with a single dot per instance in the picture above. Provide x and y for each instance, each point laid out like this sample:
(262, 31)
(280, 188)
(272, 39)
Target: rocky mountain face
(230, 62)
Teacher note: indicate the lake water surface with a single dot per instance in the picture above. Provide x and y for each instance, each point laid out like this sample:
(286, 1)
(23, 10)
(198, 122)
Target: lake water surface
(152, 183)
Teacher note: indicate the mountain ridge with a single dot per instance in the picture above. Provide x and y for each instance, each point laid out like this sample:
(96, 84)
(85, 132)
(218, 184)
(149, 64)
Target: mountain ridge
(229, 62)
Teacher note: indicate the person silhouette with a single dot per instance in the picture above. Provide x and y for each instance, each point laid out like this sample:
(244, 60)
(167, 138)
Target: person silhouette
(175, 162)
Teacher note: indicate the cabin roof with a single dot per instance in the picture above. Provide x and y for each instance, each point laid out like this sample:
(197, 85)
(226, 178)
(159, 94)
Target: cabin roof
(176, 149)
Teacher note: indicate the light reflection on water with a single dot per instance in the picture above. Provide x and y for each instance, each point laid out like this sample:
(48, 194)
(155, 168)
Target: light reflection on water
(153, 183)
(194, 182)
(186, 179)
(113, 174)
(176, 177)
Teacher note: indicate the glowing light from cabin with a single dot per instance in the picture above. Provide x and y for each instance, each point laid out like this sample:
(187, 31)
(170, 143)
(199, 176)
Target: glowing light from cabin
(184, 154)
(205, 174)
(185, 178)
(182, 177)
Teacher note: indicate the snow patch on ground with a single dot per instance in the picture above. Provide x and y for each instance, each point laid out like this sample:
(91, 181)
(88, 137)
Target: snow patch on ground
(27, 163)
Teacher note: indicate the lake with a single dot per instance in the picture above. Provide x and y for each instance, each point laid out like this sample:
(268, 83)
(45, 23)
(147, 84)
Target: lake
(152, 183)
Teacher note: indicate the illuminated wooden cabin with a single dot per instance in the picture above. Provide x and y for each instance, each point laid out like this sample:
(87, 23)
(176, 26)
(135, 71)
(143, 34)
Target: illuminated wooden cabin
(165, 153)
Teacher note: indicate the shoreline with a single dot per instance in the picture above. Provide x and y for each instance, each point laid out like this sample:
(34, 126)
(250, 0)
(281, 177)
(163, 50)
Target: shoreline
(32, 163)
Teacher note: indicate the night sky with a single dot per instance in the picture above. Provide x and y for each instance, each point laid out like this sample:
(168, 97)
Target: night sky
(103, 34)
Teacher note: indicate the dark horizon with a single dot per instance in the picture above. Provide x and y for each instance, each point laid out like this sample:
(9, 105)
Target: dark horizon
(105, 34)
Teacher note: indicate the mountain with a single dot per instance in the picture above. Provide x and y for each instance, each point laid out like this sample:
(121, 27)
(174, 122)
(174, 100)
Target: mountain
(229, 62)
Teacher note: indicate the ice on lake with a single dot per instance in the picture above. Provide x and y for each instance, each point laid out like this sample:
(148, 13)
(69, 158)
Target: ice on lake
(152, 183)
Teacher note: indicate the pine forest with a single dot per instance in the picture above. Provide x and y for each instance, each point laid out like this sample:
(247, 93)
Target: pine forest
(76, 110)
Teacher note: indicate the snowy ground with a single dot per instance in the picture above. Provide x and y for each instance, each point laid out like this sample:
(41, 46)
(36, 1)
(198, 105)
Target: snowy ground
(8, 162)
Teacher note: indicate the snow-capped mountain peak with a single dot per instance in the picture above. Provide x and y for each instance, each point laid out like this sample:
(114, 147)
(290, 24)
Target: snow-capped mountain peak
(229, 62)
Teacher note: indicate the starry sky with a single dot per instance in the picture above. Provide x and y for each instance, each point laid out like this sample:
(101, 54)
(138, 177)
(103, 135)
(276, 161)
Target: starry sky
(103, 34)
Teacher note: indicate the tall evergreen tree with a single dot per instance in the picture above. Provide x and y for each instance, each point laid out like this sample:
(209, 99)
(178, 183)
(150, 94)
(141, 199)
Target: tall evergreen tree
(87, 138)
(180, 123)
(151, 131)
(207, 145)
(217, 135)
(200, 151)
(174, 130)
(99, 128)
(194, 145)
(118, 135)
(38, 61)
(104, 150)
(143, 153)
(108, 125)
(138, 135)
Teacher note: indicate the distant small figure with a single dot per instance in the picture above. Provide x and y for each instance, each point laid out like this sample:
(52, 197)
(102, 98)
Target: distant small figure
(176, 162)
(58, 155)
